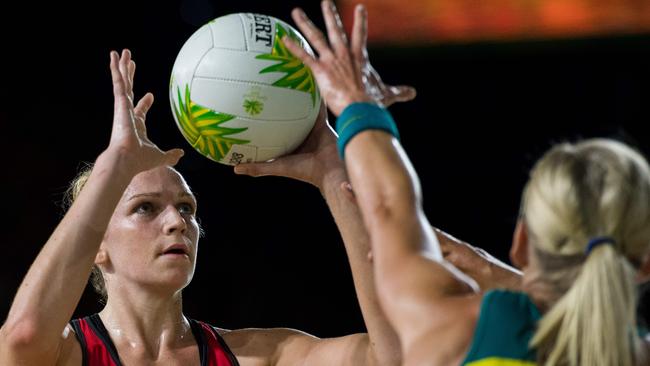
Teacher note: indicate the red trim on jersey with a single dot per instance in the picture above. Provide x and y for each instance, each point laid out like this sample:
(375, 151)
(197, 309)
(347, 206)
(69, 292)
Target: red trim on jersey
(216, 354)
(98, 349)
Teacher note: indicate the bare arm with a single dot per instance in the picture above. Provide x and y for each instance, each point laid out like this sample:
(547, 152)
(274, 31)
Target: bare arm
(425, 298)
(290, 347)
(317, 163)
(488, 271)
(49, 293)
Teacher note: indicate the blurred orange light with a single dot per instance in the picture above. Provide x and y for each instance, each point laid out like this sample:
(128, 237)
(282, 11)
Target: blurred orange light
(398, 21)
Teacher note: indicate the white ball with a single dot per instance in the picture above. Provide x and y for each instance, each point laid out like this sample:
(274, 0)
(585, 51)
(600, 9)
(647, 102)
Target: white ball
(238, 95)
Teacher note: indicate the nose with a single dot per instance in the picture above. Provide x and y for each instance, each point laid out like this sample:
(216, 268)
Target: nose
(173, 221)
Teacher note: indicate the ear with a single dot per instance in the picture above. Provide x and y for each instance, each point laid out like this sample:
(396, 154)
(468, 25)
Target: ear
(519, 249)
(102, 256)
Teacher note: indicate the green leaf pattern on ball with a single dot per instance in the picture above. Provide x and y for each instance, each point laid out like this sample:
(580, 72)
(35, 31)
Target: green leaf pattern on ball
(253, 107)
(203, 128)
(298, 75)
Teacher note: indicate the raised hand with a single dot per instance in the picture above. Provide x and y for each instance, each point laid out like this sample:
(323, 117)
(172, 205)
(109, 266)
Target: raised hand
(129, 135)
(344, 75)
(342, 70)
(311, 162)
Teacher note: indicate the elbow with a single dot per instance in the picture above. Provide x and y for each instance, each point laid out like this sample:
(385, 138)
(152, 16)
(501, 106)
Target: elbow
(18, 336)
(392, 204)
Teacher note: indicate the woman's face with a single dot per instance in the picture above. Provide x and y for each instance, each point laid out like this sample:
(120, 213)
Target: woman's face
(152, 237)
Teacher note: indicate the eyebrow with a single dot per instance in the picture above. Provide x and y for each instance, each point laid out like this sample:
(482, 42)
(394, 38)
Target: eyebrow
(157, 194)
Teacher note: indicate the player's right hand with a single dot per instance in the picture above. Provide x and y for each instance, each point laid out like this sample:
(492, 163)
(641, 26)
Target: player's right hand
(129, 142)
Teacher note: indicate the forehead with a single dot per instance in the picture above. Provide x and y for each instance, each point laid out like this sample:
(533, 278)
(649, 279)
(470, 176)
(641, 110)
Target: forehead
(158, 180)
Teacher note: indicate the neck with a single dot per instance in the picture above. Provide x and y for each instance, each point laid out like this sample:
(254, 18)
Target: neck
(543, 294)
(145, 322)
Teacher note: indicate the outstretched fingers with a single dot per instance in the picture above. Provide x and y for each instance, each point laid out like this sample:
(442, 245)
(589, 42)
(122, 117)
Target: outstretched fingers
(140, 114)
(122, 106)
(300, 52)
(131, 74)
(129, 134)
(335, 31)
(125, 66)
(315, 37)
(118, 82)
(360, 35)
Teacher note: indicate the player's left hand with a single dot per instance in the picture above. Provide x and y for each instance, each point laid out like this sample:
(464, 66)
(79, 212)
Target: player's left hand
(342, 69)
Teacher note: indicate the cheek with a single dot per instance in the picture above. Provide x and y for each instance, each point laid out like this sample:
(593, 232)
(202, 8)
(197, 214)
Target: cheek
(193, 229)
(128, 242)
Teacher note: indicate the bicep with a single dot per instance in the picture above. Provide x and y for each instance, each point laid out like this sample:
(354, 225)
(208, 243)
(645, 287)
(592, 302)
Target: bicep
(409, 263)
(419, 291)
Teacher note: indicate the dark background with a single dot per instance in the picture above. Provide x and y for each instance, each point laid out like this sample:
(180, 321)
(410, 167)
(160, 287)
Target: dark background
(272, 256)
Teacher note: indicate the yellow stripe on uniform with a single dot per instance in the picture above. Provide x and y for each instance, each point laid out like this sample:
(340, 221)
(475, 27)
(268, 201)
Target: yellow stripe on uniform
(498, 361)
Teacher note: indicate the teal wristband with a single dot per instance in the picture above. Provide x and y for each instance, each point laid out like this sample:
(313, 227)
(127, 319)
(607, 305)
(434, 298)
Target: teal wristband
(358, 117)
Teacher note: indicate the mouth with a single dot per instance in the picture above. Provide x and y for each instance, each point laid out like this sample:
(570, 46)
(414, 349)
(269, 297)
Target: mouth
(176, 250)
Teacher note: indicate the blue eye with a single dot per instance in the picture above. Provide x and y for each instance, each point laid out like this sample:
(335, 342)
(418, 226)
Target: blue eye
(186, 209)
(144, 208)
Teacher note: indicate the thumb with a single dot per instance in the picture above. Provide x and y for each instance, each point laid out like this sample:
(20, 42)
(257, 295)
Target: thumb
(173, 156)
(403, 93)
(290, 166)
(260, 169)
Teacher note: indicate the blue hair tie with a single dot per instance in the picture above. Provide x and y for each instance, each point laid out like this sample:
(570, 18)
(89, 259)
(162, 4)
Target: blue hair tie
(599, 240)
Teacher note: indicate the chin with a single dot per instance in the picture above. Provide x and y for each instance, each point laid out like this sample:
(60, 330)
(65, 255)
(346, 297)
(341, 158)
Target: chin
(175, 281)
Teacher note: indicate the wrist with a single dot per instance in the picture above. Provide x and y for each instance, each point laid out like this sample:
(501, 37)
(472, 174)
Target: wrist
(351, 99)
(116, 165)
(359, 117)
(331, 181)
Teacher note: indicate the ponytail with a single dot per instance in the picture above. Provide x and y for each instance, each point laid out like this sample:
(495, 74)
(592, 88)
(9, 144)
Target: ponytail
(587, 210)
(594, 323)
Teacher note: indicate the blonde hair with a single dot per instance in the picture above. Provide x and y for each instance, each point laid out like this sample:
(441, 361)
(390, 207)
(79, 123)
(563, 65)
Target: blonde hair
(577, 192)
(73, 191)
